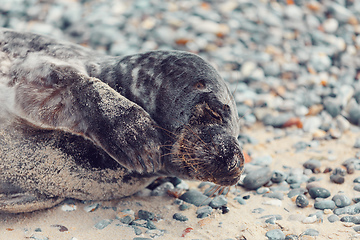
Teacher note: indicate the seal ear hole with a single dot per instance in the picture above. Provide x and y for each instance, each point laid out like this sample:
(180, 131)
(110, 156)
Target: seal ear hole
(199, 85)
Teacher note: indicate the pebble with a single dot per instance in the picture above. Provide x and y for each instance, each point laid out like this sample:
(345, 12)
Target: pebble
(103, 223)
(162, 189)
(258, 210)
(278, 176)
(357, 143)
(357, 180)
(277, 195)
(356, 199)
(341, 200)
(295, 192)
(275, 234)
(291, 237)
(357, 187)
(310, 219)
(38, 236)
(333, 218)
(195, 197)
(137, 230)
(180, 217)
(204, 211)
(126, 216)
(273, 202)
(353, 219)
(302, 201)
(68, 208)
(183, 207)
(150, 225)
(255, 179)
(92, 207)
(319, 192)
(240, 200)
(324, 204)
(311, 232)
(352, 209)
(218, 201)
(146, 215)
(312, 164)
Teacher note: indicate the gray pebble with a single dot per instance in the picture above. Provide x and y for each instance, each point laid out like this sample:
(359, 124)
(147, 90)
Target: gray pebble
(136, 230)
(319, 192)
(324, 204)
(276, 216)
(262, 161)
(204, 211)
(356, 228)
(337, 178)
(180, 217)
(341, 200)
(312, 164)
(240, 200)
(218, 201)
(291, 237)
(357, 180)
(258, 210)
(275, 234)
(103, 223)
(333, 218)
(195, 197)
(357, 187)
(295, 192)
(352, 209)
(277, 195)
(38, 236)
(278, 176)
(302, 201)
(162, 189)
(357, 143)
(183, 207)
(146, 215)
(300, 146)
(310, 232)
(255, 179)
(150, 225)
(271, 220)
(353, 219)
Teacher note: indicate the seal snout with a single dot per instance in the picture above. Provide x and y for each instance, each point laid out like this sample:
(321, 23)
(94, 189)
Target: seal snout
(208, 154)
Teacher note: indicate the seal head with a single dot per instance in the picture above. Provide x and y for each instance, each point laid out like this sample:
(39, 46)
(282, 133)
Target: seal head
(194, 109)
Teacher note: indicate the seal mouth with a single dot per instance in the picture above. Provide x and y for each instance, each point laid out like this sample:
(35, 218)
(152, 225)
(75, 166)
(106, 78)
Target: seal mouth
(207, 153)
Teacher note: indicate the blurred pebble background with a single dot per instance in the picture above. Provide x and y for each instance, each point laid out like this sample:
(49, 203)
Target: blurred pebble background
(288, 62)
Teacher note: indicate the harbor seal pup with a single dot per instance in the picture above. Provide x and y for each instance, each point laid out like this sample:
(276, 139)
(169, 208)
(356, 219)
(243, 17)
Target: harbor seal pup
(77, 124)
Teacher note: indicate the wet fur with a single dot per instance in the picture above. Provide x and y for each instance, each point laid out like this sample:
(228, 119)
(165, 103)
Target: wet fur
(110, 123)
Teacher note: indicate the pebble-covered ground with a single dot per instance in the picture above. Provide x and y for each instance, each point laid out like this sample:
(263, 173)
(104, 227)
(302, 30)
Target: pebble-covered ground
(293, 66)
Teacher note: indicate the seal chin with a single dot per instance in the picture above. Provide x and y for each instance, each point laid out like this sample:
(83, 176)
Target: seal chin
(207, 153)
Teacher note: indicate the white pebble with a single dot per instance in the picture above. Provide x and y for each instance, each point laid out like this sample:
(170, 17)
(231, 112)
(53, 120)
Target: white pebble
(273, 202)
(309, 220)
(68, 208)
(330, 25)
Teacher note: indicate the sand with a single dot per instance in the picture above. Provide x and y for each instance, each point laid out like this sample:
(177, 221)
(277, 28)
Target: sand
(239, 223)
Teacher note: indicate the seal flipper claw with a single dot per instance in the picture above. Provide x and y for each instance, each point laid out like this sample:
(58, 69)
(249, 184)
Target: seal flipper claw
(62, 98)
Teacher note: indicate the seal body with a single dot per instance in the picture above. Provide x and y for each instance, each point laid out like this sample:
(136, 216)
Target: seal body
(78, 124)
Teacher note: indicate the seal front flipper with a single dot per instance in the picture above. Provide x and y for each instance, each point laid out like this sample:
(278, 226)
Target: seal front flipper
(60, 97)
